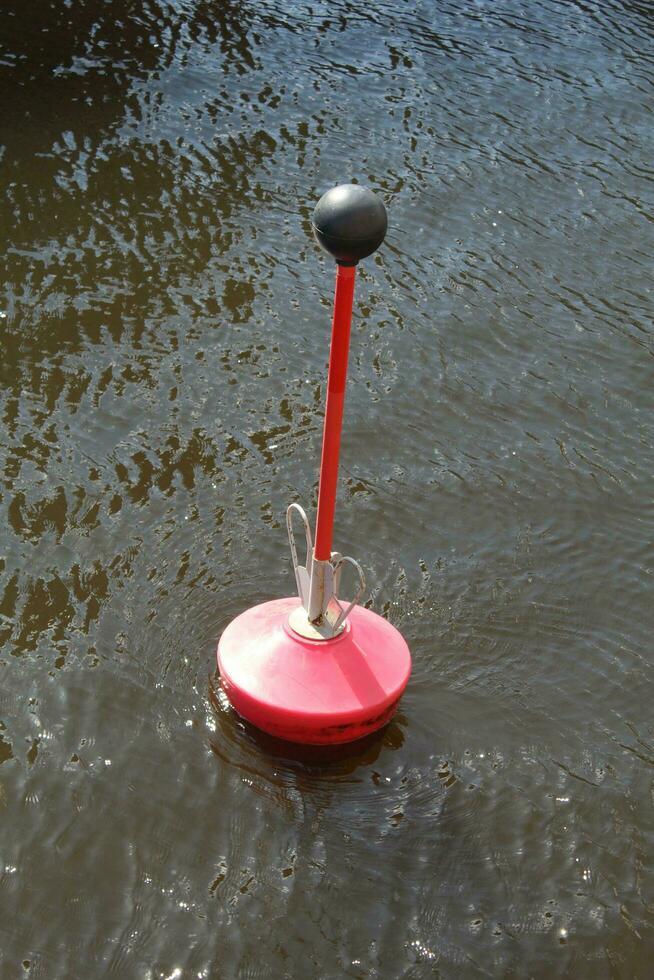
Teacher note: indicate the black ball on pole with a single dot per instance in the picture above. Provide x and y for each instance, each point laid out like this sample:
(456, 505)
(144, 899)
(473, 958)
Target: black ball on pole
(349, 222)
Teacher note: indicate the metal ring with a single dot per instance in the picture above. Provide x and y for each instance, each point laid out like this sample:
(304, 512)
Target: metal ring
(362, 588)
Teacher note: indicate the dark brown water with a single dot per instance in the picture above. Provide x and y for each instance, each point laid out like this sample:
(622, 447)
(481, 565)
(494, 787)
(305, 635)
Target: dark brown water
(164, 320)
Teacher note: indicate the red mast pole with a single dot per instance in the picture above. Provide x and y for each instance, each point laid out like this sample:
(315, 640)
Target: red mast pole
(336, 380)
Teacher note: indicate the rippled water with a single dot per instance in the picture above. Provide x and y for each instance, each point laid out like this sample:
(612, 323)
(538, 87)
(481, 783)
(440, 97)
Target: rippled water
(163, 339)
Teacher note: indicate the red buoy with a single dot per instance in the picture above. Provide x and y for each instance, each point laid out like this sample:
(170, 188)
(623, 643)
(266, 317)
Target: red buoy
(317, 669)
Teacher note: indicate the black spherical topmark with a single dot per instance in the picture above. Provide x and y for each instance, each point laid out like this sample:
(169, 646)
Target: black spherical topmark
(349, 222)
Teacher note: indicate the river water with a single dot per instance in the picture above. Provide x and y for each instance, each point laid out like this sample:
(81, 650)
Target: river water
(164, 323)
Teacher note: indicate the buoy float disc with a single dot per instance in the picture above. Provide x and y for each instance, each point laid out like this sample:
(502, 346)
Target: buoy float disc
(313, 691)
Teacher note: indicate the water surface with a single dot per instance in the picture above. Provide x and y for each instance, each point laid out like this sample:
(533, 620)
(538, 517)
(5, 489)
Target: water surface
(164, 320)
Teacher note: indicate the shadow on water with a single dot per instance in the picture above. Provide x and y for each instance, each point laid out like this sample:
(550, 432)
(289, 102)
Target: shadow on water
(69, 67)
(242, 745)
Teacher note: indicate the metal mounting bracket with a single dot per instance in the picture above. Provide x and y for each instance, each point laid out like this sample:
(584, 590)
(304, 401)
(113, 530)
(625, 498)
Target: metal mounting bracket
(322, 615)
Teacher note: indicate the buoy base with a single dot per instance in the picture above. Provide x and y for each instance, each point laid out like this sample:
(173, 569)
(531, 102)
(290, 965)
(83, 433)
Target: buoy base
(315, 692)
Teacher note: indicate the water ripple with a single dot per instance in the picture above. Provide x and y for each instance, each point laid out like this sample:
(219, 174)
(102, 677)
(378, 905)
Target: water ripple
(164, 320)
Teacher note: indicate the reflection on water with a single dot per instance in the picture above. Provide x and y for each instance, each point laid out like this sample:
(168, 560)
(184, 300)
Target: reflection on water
(164, 320)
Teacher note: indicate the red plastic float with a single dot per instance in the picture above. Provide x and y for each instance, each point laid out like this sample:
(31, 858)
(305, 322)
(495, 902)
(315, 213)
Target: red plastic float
(317, 669)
